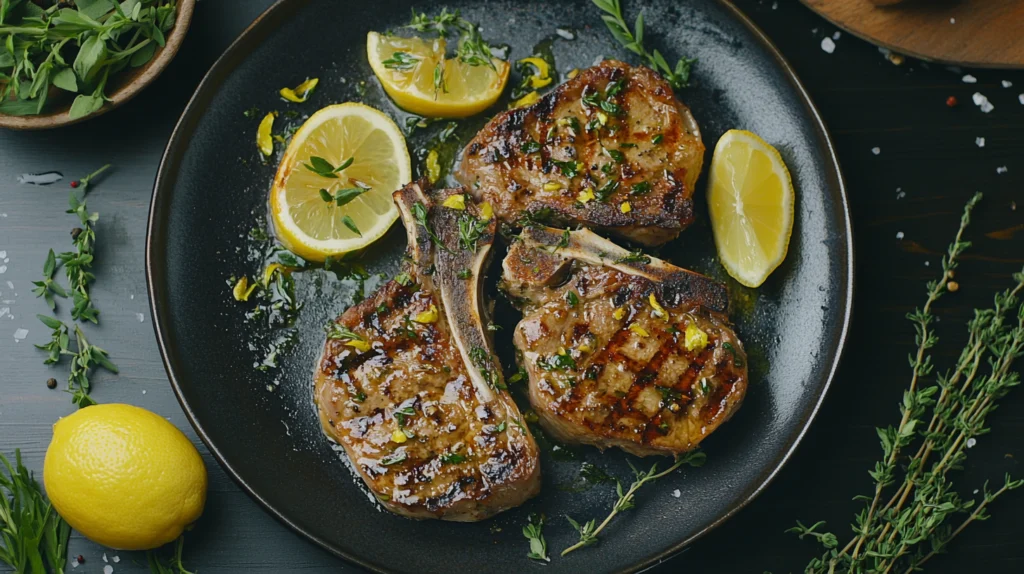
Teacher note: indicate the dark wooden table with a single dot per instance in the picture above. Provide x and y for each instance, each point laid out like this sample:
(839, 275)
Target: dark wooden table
(928, 165)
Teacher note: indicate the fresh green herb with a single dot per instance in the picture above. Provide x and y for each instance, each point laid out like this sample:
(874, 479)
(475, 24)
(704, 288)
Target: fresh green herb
(337, 331)
(47, 288)
(324, 168)
(533, 532)
(483, 361)
(412, 123)
(419, 211)
(83, 361)
(605, 191)
(452, 458)
(569, 169)
(33, 537)
(75, 47)
(557, 362)
(640, 188)
(616, 155)
(448, 131)
(343, 196)
(401, 61)
(901, 531)
(174, 563)
(347, 220)
(252, 112)
(633, 40)
(736, 359)
(589, 531)
(493, 327)
(470, 231)
(404, 410)
(472, 49)
(657, 139)
(572, 298)
(403, 279)
(519, 376)
(530, 146)
(77, 264)
(635, 256)
(440, 84)
(464, 274)
(394, 458)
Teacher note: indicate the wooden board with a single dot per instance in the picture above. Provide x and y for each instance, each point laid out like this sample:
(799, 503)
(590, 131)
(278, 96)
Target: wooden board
(973, 33)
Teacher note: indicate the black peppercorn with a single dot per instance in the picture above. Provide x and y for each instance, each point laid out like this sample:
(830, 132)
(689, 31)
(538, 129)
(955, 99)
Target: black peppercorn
(51, 383)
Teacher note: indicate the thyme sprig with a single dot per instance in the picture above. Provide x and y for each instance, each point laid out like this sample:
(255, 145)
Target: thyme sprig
(590, 530)
(47, 288)
(174, 563)
(942, 418)
(472, 48)
(633, 40)
(78, 263)
(84, 360)
(533, 531)
(33, 537)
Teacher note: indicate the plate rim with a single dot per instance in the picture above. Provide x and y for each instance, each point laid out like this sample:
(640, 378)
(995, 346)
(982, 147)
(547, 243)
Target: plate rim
(166, 178)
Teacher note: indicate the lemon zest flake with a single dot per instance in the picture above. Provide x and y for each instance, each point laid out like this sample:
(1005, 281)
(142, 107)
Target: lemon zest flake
(586, 195)
(264, 141)
(625, 207)
(433, 166)
(619, 313)
(428, 316)
(242, 289)
(301, 92)
(639, 330)
(359, 345)
(486, 211)
(695, 339)
(603, 118)
(530, 98)
(552, 186)
(457, 201)
(268, 273)
(572, 73)
(398, 436)
(659, 311)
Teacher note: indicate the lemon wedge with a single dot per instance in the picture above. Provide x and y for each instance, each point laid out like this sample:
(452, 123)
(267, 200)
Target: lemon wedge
(750, 199)
(415, 73)
(324, 205)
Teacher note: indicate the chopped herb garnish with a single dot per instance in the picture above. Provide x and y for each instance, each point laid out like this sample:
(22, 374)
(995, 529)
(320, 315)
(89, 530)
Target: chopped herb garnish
(635, 256)
(464, 274)
(419, 211)
(447, 132)
(472, 49)
(736, 359)
(640, 188)
(569, 169)
(324, 168)
(657, 139)
(470, 230)
(485, 364)
(605, 191)
(557, 362)
(530, 146)
(452, 458)
(401, 61)
(572, 298)
(393, 458)
(615, 155)
(440, 84)
(347, 220)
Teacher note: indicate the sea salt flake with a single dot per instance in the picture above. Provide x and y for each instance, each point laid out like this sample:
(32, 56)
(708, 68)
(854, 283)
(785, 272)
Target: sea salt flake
(982, 102)
(876, 150)
(979, 141)
(105, 557)
(565, 34)
(952, 20)
(108, 569)
(676, 493)
(828, 45)
(899, 235)
(117, 559)
(3, 269)
(837, 35)
(1020, 99)
(971, 442)
(927, 263)
(1002, 169)
(140, 317)
(20, 334)
(1007, 84)
(969, 79)
(3, 254)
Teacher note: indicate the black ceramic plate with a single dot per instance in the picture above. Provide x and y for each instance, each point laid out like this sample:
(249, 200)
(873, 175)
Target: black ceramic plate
(261, 425)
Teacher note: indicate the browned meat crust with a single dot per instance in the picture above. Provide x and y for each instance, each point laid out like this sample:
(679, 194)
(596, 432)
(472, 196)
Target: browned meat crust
(614, 131)
(417, 399)
(609, 366)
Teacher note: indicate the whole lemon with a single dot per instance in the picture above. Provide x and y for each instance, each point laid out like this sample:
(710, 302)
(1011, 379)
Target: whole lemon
(124, 477)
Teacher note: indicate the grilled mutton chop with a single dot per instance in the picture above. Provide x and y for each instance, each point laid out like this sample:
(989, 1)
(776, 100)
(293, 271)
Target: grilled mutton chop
(621, 349)
(407, 383)
(611, 150)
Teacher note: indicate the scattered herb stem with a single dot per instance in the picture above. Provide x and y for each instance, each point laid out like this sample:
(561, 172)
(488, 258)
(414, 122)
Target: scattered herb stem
(33, 537)
(589, 532)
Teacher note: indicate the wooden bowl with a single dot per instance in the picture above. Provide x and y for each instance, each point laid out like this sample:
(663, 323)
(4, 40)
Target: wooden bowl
(121, 88)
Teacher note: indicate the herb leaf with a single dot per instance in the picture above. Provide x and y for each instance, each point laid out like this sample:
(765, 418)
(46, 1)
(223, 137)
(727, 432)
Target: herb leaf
(533, 532)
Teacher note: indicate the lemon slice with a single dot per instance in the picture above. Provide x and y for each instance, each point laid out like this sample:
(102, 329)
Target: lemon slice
(415, 73)
(304, 221)
(750, 197)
